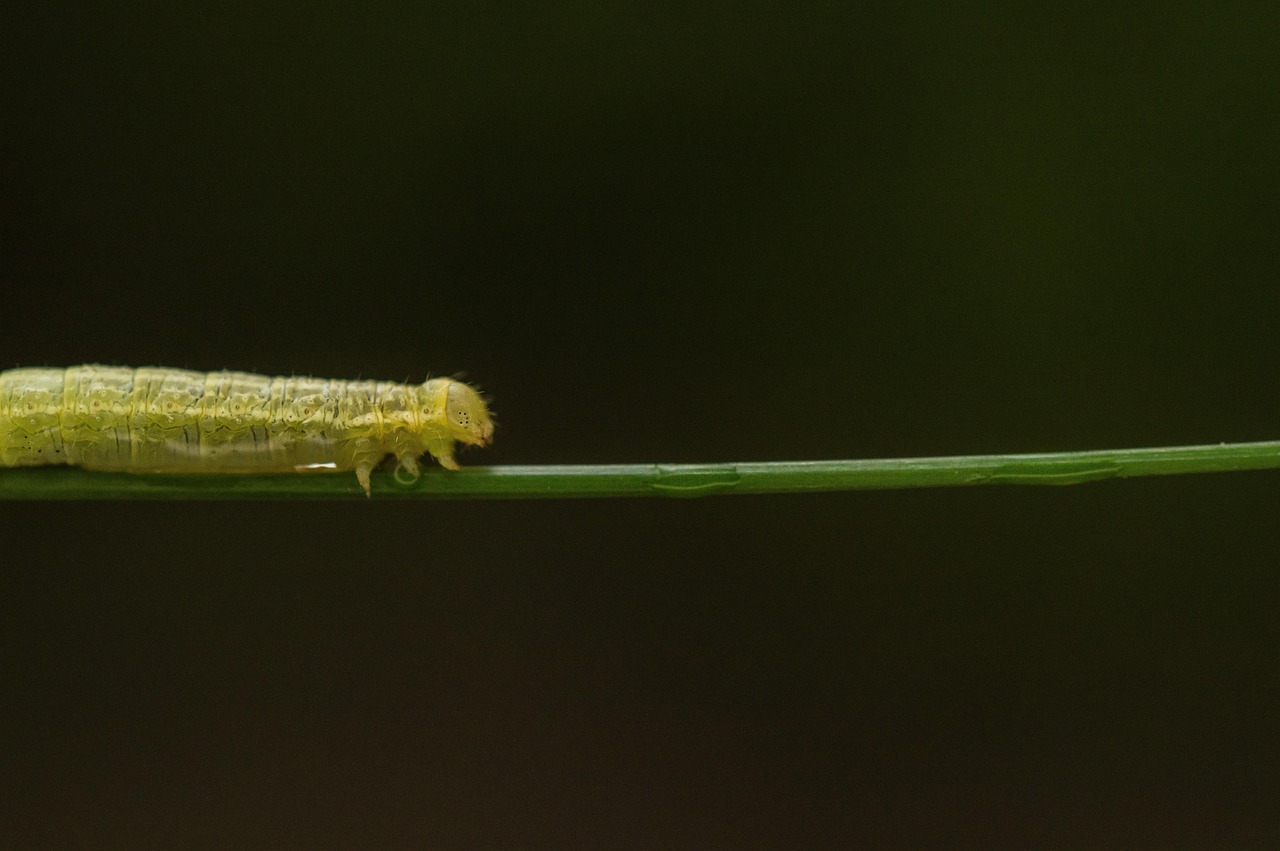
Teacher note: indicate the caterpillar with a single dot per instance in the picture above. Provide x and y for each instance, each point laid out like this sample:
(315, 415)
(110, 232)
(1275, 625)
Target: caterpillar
(157, 420)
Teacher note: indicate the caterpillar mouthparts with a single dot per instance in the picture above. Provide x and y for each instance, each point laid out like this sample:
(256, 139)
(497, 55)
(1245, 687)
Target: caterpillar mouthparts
(156, 420)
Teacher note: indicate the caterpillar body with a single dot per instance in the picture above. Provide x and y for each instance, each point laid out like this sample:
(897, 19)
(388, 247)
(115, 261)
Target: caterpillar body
(158, 420)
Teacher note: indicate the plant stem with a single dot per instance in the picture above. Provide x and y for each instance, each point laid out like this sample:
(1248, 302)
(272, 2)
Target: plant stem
(671, 480)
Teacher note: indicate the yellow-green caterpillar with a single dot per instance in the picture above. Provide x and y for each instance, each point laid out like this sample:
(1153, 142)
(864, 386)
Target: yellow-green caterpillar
(173, 420)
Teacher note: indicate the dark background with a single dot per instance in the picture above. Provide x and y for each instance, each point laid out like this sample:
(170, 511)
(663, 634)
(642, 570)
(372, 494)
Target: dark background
(717, 231)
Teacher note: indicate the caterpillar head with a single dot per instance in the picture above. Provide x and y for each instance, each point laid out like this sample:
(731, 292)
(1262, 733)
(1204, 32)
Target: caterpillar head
(453, 411)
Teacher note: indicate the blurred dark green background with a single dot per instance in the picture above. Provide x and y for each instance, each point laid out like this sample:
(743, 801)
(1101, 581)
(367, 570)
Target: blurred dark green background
(711, 232)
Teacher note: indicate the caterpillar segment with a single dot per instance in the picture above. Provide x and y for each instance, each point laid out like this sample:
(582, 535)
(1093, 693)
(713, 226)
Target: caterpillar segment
(158, 420)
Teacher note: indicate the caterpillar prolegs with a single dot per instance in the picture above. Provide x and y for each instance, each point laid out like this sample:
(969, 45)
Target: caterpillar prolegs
(173, 420)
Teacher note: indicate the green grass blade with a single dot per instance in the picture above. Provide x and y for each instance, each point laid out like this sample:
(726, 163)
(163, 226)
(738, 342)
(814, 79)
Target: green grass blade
(669, 480)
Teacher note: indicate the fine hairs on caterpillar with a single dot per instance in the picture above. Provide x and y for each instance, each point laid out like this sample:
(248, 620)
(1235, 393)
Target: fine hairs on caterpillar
(157, 420)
